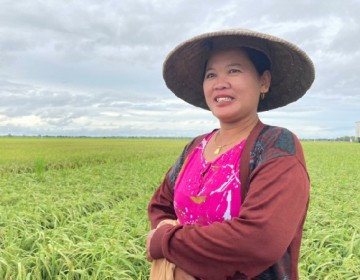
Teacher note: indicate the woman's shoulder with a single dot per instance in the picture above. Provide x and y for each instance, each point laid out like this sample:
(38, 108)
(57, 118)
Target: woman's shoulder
(194, 142)
(189, 147)
(278, 141)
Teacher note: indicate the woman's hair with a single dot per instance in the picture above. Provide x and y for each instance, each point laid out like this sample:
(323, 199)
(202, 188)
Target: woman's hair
(259, 59)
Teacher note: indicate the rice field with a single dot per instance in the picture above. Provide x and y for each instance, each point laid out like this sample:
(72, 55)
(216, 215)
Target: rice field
(76, 208)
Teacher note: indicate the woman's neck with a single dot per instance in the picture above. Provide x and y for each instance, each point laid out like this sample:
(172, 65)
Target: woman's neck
(240, 130)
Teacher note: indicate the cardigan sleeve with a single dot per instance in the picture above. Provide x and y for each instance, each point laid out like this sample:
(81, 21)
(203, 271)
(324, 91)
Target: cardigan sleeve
(161, 205)
(271, 217)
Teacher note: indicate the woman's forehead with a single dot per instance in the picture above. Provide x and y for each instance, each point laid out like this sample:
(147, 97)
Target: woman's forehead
(228, 56)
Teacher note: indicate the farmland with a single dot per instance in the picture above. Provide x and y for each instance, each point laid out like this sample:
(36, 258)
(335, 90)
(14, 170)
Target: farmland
(76, 208)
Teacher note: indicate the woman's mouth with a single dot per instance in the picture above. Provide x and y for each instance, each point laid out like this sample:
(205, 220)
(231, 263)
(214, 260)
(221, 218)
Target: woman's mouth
(223, 99)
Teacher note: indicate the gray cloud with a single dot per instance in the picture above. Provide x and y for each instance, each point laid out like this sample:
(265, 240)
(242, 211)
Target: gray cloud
(94, 68)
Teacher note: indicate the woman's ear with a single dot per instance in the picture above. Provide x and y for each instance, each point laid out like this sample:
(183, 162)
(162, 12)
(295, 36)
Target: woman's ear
(265, 81)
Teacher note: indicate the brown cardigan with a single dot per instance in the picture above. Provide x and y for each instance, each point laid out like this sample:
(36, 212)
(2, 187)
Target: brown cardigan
(264, 241)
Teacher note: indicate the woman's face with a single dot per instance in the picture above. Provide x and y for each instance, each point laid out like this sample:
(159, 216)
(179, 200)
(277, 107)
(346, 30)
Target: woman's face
(232, 86)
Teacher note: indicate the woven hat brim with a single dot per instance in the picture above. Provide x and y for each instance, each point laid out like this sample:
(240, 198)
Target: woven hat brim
(292, 71)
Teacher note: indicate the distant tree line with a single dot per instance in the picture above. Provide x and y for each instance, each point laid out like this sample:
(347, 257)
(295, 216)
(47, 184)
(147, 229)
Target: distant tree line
(339, 139)
(348, 139)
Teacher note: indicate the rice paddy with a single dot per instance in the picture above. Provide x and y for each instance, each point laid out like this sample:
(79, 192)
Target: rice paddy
(76, 208)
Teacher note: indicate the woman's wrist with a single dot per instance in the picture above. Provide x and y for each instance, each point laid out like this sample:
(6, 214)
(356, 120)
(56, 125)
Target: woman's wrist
(155, 248)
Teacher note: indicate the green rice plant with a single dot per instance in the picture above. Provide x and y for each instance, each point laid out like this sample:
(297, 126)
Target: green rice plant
(40, 167)
(76, 208)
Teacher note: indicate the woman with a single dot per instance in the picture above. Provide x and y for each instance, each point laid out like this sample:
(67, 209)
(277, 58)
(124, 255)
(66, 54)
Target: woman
(239, 193)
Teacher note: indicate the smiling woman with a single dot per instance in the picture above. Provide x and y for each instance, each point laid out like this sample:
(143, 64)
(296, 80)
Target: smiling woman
(232, 86)
(234, 203)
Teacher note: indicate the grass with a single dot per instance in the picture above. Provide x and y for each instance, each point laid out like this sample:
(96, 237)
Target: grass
(331, 243)
(76, 208)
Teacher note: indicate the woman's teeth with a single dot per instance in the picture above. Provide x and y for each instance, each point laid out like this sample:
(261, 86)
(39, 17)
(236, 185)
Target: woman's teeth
(223, 99)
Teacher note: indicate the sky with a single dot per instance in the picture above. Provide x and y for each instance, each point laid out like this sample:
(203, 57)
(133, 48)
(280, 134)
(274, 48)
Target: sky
(94, 68)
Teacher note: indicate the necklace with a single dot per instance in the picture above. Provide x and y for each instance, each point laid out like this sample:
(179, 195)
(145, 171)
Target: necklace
(220, 147)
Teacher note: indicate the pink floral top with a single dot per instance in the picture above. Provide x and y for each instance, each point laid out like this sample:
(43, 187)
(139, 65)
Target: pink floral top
(208, 192)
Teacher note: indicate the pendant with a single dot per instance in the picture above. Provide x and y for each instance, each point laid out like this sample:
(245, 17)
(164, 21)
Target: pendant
(217, 151)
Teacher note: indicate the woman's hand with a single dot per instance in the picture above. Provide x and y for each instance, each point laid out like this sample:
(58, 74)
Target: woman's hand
(151, 233)
(168, 222)
(180, 274)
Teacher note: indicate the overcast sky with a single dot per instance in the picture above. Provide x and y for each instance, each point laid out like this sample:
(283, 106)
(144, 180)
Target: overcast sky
(94, 68)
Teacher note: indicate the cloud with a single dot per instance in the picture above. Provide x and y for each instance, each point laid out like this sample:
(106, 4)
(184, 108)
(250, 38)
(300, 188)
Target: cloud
(95, 68)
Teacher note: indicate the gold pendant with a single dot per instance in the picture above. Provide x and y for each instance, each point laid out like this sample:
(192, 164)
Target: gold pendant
(217, 151)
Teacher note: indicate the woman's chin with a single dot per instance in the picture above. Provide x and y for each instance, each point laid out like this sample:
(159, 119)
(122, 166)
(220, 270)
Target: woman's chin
(226, 118)
(234, 117)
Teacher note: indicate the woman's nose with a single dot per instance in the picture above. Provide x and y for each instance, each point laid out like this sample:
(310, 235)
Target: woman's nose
(221, 83)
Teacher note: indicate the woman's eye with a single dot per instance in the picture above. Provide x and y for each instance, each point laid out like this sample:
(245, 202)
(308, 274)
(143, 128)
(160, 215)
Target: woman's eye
(210, 75)
(234, 71)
